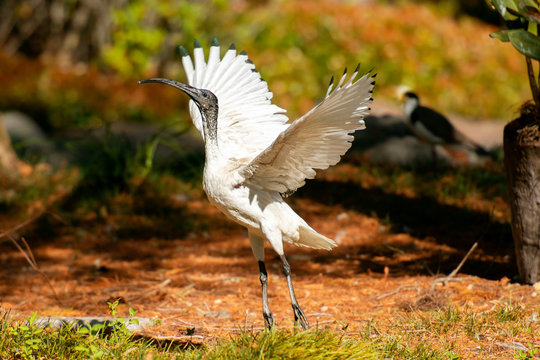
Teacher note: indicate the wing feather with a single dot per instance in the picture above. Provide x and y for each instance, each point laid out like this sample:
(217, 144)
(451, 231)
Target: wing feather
(200, 63)
(315, 141)
(187, 64)
(247, 120)
(213, 63)
(279, 156)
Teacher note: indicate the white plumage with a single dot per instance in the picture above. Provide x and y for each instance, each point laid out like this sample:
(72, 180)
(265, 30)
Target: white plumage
(257, 157)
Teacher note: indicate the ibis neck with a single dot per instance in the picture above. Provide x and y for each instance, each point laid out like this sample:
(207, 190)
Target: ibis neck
(410, 105)
(209, 122)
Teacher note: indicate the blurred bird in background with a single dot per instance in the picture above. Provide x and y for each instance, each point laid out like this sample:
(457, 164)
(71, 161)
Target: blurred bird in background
(431, 126)
(255, 157)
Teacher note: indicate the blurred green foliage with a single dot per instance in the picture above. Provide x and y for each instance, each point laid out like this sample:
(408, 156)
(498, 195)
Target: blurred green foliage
(297, 47)
(522, 19)
(134, 45)
(63, 99)
(147, 32)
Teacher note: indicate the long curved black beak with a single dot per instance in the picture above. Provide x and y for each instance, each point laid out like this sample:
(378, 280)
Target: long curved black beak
(190, 90)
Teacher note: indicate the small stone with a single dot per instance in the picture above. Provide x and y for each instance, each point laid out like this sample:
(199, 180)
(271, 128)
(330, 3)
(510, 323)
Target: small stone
(340, 235)
(343, 216)
(536, 286)
(219, 314)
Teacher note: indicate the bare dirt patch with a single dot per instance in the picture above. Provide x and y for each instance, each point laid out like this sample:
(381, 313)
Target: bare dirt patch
(186, 265)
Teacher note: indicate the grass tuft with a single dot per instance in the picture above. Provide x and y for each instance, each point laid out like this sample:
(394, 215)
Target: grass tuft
(27, 340)
(274, 344)
(442, 334)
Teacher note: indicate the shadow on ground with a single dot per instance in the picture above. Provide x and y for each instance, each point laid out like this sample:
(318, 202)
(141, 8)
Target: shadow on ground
(141, 233)
(426, 219)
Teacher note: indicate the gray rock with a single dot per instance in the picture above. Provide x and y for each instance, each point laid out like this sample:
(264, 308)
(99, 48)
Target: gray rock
(30, 138)
(22, 128)
(400, 151)
(89, 321)
(388, 139)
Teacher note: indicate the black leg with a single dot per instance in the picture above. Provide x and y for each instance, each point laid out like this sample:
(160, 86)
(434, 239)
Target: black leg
(298, 313)
(267, 314)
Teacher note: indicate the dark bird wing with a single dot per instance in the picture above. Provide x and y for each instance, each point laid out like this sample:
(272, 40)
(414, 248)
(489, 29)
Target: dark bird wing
(432, 126)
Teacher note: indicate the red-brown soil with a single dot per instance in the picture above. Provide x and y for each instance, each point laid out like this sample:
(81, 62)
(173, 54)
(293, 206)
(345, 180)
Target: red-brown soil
(185, 264)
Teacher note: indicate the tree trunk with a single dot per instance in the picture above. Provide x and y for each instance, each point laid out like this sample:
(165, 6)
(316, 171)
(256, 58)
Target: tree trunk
(9, 170)
(522, 163)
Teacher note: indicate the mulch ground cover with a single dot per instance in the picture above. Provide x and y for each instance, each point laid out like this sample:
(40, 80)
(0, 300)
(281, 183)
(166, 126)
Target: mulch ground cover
(187, 266)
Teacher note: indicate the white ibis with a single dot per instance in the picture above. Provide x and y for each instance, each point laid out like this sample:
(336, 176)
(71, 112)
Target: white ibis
(255, 157)
(433, 127)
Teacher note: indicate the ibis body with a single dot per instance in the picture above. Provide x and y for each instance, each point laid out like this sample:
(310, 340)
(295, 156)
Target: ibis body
(433, 127)
(255, 157)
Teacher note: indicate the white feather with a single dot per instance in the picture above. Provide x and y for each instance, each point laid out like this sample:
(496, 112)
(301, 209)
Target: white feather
(259, 155)
(315, 141)
(243, 100)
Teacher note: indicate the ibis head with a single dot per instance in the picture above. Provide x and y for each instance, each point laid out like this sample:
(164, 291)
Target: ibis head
(410, 95)
(205, 100)
(410, 101)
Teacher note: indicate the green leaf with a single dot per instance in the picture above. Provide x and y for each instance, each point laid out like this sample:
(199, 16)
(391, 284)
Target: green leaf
(532, 15)
(526, 43)
(33, 318)
(97, 327)
(526, 5)
(83, 330)
(81, 348)
(502, 5)
(532, 28)
(501, 35)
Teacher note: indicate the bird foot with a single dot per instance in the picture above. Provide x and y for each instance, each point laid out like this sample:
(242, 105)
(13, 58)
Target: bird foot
(268, 320)
(300, 317)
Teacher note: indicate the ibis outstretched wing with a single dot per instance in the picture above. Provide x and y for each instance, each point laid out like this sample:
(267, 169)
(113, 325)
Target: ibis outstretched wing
(247, 120)
(315, 141)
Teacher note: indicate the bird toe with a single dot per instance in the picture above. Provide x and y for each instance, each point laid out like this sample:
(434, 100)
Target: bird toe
(300, 317)
(268, 320)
